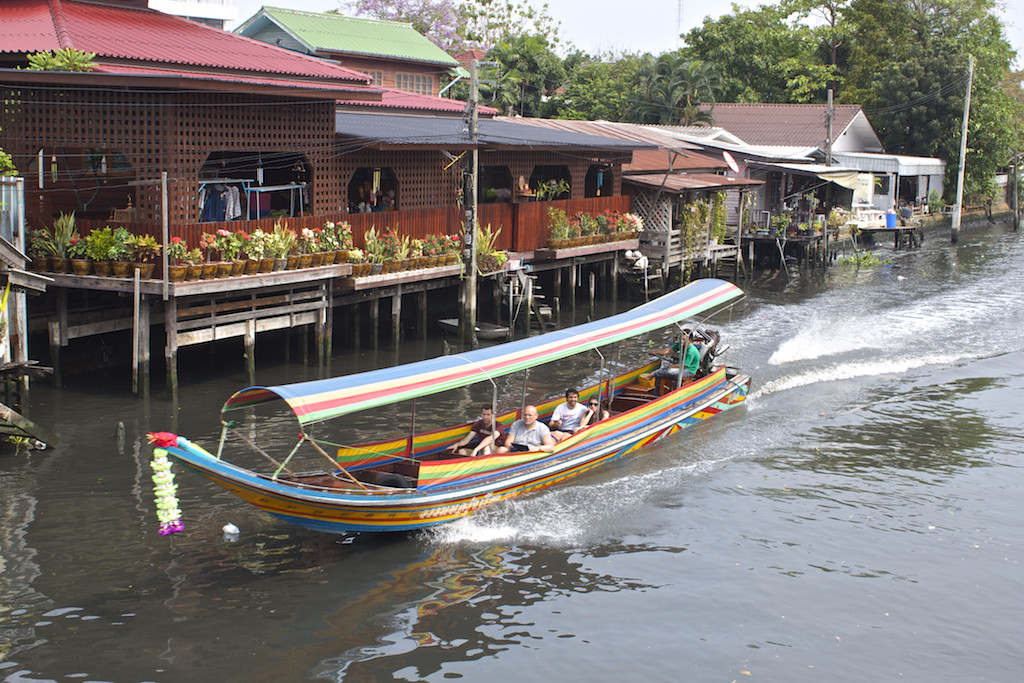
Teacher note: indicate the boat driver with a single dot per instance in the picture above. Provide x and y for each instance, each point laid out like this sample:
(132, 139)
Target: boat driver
(690, 362)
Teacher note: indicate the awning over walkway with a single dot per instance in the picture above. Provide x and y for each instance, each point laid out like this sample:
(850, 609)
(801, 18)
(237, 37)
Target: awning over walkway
(843, 176)
(684, 182)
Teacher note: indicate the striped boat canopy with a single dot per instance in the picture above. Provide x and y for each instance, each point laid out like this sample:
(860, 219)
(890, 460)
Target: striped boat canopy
(319, 400)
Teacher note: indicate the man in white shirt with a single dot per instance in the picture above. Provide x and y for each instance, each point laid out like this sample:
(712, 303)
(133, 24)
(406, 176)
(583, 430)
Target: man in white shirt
(565, 421)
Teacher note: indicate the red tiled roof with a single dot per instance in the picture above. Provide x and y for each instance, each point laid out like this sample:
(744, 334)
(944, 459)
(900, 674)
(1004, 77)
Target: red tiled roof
(792, 125)
(662, 160)
(121, 33)
(404, 100)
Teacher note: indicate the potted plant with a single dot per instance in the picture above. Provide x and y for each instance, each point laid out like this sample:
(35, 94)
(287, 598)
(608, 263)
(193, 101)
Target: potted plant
(558, 225)
(488, 258)
(194, 260)
(281, 243)
(40, 248)
(63, 230)
(228, 245)
(374, 250)
(359, 268)
(80, 264)
(307, 244)
(103, 247)
(144, 249)
(177, 269)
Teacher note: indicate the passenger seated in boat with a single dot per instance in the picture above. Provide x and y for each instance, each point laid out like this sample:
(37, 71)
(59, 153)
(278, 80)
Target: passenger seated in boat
(527, 434)
(478, 440)
(596, 411)
(690, 363)
(565, 421)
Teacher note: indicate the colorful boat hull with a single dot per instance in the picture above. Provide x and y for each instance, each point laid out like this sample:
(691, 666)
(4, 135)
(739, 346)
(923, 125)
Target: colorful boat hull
(440, 498)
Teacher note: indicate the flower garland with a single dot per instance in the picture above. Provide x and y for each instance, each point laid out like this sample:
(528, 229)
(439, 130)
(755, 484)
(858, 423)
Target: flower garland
(167, 510)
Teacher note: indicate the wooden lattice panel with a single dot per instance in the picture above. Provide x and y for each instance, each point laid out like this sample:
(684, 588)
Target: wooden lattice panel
(655, 210)
(158, 131)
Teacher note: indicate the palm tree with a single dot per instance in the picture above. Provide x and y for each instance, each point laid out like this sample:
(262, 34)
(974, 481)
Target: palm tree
(675, 89)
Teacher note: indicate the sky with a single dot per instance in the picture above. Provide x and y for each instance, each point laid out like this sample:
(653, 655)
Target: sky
(652, 26)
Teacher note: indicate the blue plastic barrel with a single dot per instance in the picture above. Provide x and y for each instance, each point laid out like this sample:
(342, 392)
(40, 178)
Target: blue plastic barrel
(890, 220)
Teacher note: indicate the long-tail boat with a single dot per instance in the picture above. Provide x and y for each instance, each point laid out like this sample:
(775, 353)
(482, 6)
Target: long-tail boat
(412, 481)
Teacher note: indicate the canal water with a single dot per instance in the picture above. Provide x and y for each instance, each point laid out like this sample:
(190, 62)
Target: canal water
(858, 519)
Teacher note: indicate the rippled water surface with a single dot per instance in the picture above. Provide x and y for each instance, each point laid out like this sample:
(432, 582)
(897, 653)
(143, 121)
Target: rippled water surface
(857, 520)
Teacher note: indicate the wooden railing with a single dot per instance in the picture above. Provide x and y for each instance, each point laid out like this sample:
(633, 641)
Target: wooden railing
(524, 226)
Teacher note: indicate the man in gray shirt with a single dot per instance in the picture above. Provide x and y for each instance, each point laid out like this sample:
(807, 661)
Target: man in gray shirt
(527, 434)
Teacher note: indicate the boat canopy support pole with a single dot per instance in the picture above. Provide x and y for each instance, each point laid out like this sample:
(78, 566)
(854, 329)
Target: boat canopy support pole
(230, 425)
(332, 461)
(522, 404)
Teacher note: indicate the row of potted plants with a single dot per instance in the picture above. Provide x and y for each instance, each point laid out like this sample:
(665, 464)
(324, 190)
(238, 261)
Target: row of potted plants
(388, 252)
(106, 251)
(583, 228)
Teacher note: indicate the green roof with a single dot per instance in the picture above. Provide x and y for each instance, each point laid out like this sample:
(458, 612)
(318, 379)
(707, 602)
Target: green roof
(370, 37)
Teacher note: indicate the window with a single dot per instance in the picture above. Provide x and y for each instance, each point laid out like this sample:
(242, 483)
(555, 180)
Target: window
(423, 85)
(377, 76)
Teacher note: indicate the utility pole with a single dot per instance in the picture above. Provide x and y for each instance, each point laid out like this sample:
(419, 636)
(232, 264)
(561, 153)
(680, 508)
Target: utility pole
(955, 232)
(468, 320)
(828, 133)
(1016, 181)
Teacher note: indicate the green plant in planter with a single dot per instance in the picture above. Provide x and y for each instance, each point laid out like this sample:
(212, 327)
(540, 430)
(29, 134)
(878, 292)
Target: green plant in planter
(558, 224)
(588, 224)
(193, 257)
(281, 242)
(40, 243)
(60, 237)
(143, 248)
(552, 189)
(104, 244)
(780, 223)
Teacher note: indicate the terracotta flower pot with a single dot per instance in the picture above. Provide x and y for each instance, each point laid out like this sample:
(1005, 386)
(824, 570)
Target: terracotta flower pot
(252, 266)
(81, 266)
(224, 269)
(327, 258)
(316, 260)
(103, 268)
(122, 269)
(237, 268)
(195, 272)
(266, 265)
(305, 260)
(41, 264)
(60, 265)
(145, 270)
(209, 271)
(177, 273)
(293, 262)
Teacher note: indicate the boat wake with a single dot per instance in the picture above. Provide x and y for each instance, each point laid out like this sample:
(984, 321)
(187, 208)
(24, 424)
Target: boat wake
(572, 516)
(852, 370)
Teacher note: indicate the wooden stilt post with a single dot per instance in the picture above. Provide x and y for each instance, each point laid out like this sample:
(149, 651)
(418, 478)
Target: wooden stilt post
(357, 325)
(593, 290)
(615, 279)
(572, 290)
(171, 343)
(423, 312)
(136, 302)
(396, 316)
(249, 345)
(320, 327)
(145, 337)
(374, 323)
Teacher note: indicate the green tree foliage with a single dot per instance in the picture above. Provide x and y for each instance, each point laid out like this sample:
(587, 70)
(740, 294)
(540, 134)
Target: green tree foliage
(760, 54)
(908, 65)
(598, 88)
(6, 164)
(489, 22)
(672, 90)
(529, 71)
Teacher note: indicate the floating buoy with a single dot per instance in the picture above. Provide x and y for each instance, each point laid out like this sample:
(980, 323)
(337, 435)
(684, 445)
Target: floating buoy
(230, 532)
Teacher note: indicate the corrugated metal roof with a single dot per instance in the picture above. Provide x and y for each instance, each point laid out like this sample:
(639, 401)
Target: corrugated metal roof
(792, 125)
(681, 182)
(368, 37)
(116, 33)
(332, 89)
(612, 129)
(400, 130)
(401, 99)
